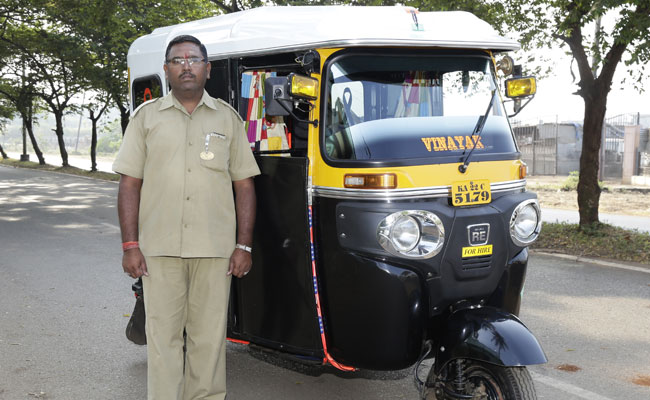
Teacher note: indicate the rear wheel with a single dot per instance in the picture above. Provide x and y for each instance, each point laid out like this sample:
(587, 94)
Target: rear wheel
(475, 380)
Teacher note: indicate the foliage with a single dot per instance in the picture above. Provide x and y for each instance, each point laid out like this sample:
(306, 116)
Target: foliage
(110, 138)
(6, 113)
(234, 5)
(19, 91)
(595, 240)
(547, 24)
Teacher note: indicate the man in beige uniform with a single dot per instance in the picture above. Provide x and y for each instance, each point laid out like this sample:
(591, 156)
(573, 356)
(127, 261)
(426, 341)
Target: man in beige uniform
(180, 159)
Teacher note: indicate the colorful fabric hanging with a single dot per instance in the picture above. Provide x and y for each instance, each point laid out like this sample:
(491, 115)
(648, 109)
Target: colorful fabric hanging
(263, 133)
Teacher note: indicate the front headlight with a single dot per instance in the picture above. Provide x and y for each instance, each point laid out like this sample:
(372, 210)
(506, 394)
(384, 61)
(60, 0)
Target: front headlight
(412, 234)
(404, 233)
(526, 223)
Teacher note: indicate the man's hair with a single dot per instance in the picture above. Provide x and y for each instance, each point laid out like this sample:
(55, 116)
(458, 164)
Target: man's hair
(186, 39)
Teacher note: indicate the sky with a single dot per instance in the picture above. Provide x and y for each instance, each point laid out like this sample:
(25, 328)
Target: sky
(555, 96)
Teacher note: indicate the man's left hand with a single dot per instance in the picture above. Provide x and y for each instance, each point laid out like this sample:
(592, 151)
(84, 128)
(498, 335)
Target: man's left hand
(240, 263)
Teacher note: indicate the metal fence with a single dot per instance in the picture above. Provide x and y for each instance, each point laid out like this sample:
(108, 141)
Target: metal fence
(538, 147)
(553, 148)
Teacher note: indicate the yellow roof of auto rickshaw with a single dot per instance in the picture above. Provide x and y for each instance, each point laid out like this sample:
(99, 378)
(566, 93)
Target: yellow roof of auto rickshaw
(268, 30)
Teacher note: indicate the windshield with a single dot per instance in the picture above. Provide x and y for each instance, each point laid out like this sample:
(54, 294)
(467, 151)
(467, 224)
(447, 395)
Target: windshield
(389, 107)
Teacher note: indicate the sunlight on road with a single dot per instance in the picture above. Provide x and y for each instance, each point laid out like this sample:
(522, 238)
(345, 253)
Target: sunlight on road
(578, 316)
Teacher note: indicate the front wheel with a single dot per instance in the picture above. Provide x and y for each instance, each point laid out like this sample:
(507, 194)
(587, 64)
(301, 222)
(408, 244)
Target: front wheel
(475, 380)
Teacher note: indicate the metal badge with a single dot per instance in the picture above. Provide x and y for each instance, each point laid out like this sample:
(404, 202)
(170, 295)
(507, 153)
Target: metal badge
(206, 155)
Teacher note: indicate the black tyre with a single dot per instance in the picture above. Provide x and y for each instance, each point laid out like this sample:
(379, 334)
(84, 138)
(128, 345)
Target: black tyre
(481, 381)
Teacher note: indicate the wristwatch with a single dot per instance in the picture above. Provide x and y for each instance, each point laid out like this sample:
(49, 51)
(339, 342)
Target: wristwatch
(244, 247)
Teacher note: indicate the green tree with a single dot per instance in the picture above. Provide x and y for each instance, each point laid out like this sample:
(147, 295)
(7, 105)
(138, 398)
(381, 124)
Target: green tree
(18, 81)
(17, 88)
(20, 95)
(51, 54)
(546, 23)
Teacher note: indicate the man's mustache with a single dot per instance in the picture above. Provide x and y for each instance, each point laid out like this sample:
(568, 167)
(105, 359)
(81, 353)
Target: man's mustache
(191, 75)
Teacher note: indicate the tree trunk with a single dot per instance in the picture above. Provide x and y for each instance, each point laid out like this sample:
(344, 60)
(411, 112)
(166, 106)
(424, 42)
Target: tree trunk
(58, 115)
(124, 116)
(32, 138)
(588, 189)
(93, 148)
(2, 151)
(93, 142)
(28, 122)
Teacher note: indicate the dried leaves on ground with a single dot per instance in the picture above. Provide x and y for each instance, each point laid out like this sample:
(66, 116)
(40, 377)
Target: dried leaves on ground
(619, 201)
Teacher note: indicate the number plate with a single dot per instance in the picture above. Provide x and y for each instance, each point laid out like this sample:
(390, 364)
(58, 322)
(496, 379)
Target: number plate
(475, 251)
(467, 193)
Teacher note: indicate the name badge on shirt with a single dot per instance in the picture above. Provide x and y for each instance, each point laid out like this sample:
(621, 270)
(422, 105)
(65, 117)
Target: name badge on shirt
(207, 155)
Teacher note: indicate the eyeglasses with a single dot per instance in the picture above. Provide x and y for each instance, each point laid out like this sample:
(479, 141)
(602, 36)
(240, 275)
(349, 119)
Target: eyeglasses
(182, 60)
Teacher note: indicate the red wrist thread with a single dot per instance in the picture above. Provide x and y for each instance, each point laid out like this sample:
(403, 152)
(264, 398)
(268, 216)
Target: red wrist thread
(130, 245)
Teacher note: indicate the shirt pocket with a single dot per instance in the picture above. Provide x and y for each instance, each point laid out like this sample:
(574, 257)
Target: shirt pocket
(218, 147)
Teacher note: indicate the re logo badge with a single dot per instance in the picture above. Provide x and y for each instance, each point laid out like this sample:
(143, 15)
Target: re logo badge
(478, 234)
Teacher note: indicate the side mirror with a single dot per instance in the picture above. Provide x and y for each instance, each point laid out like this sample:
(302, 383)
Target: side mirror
(281, 92)
(506, 65)
(276, 90)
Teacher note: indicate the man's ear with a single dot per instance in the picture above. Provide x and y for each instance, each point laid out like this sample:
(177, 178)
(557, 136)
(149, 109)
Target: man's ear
(208, 66)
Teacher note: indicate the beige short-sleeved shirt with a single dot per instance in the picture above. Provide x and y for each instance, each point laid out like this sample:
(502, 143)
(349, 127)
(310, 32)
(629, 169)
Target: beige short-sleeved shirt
(186, 204)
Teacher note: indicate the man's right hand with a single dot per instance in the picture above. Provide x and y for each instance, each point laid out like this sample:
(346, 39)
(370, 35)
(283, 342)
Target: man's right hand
(134, 264)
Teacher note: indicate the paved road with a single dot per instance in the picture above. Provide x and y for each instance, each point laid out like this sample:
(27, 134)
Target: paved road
(596, 318)
(63, 299)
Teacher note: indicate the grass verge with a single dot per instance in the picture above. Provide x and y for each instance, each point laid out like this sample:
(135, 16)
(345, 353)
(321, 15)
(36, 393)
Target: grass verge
(106, 176)
(597, 241)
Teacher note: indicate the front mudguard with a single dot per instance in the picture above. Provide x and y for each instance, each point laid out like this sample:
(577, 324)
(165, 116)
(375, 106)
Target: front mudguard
(490, 335)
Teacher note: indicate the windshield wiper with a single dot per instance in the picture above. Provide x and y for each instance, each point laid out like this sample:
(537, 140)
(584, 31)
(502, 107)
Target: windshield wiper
(478, 129)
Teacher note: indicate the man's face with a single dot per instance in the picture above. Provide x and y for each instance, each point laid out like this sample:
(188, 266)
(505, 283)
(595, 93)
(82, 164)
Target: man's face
(182, 76)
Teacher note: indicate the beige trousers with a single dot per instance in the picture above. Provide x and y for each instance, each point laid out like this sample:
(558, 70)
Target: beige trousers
(190, 294)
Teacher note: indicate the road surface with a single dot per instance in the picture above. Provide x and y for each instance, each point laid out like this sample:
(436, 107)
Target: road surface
(65, 302)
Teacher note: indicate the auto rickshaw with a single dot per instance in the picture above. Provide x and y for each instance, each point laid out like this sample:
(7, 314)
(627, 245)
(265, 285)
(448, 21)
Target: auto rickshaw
(393, 220)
